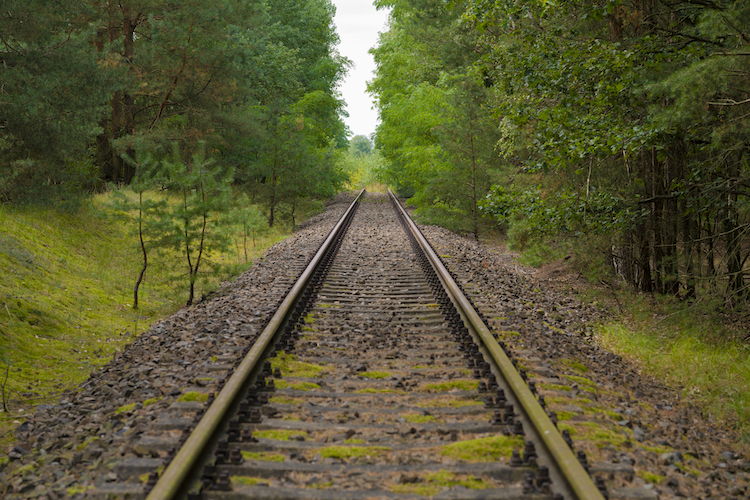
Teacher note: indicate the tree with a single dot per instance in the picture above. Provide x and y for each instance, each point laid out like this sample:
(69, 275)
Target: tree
(53, 94)
(146, 177)
(195, 225)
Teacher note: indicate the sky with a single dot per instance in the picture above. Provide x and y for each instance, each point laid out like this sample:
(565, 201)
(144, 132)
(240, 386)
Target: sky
(358, 23)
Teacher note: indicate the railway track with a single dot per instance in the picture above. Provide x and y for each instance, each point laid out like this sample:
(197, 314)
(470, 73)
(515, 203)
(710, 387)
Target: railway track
(375, 378)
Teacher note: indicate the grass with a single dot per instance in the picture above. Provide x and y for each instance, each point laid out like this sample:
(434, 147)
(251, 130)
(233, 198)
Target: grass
(688, 348)
(67, 292)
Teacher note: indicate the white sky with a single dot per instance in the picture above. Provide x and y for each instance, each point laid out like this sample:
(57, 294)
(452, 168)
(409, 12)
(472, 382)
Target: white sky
(358, 23)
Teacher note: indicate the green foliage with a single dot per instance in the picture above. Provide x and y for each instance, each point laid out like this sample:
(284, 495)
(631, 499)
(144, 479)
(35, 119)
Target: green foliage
(630, 121)
(563, 212)
(195, 226)
(86, 86)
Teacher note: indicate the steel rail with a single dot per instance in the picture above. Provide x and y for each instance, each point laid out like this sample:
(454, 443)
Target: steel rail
(183, 469)
(578, 481)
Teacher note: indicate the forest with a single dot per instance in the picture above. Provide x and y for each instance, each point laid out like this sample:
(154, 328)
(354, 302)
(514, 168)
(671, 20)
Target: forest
(92, 92)
(617, 127)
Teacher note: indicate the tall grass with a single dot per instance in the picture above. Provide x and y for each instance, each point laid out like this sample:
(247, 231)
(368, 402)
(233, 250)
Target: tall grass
(691, 348)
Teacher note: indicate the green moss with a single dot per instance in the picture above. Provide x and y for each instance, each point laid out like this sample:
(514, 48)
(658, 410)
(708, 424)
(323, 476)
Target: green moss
(650, 476)
(432, 483)
(502, 335)
(321, 486)
(75, 490)
(355, 441)
(458, 384)
(418, 419)
(125, 408)
(304, 386)
(297, 386)
(584, 382)
(278, 434)
(371, 390)
(565, 415)
(686, 469)
(263, 456)
(555, 387)
(285, 400)
(86, 443)
(487, 449)
(346, 452)
(193, 396)
(291, 367)
(449, 402)
(248, 480)
(595, 433)
(374, 374)
(26, 469)
(151, 401)
(575, 365)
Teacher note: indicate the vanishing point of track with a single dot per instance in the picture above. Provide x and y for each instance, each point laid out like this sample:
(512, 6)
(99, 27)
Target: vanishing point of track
(375, 378)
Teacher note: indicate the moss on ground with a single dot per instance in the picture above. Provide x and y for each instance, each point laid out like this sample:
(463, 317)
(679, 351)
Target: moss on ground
(291, 367)
(348, 452)
(193, 397)
(650, 476)
(575, 365)
(248, 480)
(418, 419)
(278, 434)
(449, 402)
(598, 435)
(263, 456)
(458, 384)
(432, 483)
(371, 390)
(486, 449)
(374, 375)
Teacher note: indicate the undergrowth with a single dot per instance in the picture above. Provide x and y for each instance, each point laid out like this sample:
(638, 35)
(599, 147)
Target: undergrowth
(66, 296)
(688, 346)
